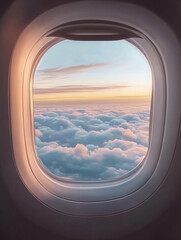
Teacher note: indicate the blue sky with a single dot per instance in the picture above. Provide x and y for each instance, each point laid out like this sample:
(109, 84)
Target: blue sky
(101, 63)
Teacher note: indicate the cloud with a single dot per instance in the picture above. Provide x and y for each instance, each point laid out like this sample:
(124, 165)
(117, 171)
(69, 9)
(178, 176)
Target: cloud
(50, 73)
(79, 163)
(75, 88)
(91, 143)
(38, 133)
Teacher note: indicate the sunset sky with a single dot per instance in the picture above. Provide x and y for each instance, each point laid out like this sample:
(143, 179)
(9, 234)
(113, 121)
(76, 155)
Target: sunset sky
(92, 71)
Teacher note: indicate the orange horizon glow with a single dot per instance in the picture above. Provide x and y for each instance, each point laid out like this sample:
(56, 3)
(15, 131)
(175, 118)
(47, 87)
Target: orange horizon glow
(94, 99)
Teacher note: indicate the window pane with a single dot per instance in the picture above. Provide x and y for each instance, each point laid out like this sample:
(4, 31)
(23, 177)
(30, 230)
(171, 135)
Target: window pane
(92, 105)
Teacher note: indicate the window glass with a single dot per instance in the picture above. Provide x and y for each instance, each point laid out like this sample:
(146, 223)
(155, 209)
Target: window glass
(92, 102)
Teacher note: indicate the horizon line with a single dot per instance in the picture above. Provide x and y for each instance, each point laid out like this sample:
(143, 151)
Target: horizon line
(93, 100)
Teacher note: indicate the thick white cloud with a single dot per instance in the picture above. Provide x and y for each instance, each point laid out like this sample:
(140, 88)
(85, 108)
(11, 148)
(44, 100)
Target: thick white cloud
(91, 144)
(38, 133)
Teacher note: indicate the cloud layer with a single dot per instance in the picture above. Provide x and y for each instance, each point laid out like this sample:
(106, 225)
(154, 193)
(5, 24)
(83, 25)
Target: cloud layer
(51, 73)
(92, 142)
(75, 88)
(72, 69)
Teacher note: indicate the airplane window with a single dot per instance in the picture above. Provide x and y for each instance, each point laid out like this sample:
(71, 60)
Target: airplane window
(91, 126)
(92, 102)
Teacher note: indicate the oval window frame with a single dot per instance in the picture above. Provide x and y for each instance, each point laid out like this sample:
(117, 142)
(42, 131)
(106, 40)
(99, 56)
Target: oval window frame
(104, 198)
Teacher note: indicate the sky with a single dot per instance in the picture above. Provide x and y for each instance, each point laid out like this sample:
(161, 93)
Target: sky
(92, 105)
(92, 71)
